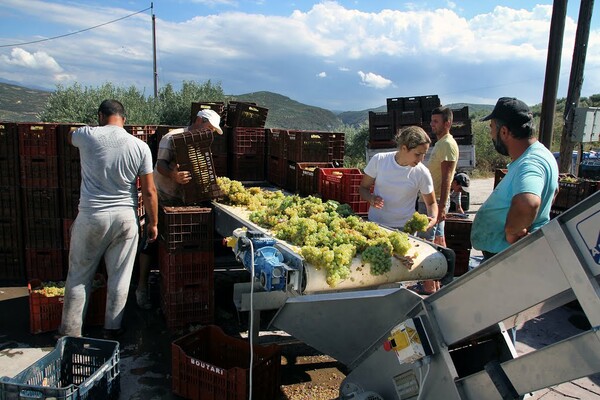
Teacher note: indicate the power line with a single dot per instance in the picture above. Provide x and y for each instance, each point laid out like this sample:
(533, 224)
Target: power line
(74, 33)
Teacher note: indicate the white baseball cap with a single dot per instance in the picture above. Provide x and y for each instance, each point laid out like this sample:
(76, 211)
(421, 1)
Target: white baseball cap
(213, 118)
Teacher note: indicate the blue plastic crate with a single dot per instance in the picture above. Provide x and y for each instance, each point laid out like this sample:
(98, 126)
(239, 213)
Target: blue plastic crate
(77, 369)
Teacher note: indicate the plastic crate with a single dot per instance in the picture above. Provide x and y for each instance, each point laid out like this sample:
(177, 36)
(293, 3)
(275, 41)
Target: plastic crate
(39, 171)
(69, 202)
(192, 305)
(216, 106)
(10, 234)
(382, 133)
(382, 144)
(247, 167)
(41, 203)
(220, 143)
(342, 185)
(210, 365)
(45, 313)
(45, 264)
(66, 224)
(247, 115)
(276, 171)
(221, 165)
(307, 176)
(337, 144)
(66, 150)
(461, 261)
(395, 103)
(247, 140)
(184, 270)
(12, 268)
(411, 103)
(43, 233)
(458, 233)
(276, 142)
(460, 114)
(192, 153)
(461, 129)
(429, 102)
(384, 118)
(186, 228)
(10, 202)
(590, 169)
(408, 117)
(572, 192)
(9, 171)
(69, 173)
(302, 146)
(9, 140)
(77, 369)
(37, 139)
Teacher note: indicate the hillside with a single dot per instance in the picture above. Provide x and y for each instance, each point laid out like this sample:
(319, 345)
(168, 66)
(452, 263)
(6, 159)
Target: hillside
(20, 104)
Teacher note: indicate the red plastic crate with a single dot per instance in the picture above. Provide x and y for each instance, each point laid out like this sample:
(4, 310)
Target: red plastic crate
(12, 267)
(66, 150)
(37, 139)
(307, 177)
(45, 264)
(184, 270)
(186, 228)
(43, 233)
(66, 223)
(10, 234)
(342, 185)
(69, 202)
(247, 140)
(220, 143)
(461, 262)
(302, 146)
(39, 171)
(210, 365)
(41, 203)
(246, 167)
(276, 142)
(45, 313)
(337, 144)
(192, 305)
(276, 171)
(220, 163)
(458, 233)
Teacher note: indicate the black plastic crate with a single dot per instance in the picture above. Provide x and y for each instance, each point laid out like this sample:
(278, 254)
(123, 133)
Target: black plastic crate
(10, 202)
(461, 128)
(41, 203)
(186, 228)
(39, 171)
(9, 171)
(46, 264)
(9, 140)
(382, 133)
(460, 114)
(429, 102)
(12, 267)
(247, 115)
(408, 117)
(193, 154)
(77, 369)
(395, 103)
(216, 106)
(385, 118)
(69, 199)
(43, 233)
(10, 234)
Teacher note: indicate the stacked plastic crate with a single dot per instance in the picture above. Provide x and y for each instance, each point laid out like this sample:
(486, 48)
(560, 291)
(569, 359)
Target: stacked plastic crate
(12, 269)
(186, 259)
(276, 163)
(246, 141)
(219, 144)
(40, 195)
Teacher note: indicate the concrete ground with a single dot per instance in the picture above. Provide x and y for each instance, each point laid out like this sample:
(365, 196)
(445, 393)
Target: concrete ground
(145, 363)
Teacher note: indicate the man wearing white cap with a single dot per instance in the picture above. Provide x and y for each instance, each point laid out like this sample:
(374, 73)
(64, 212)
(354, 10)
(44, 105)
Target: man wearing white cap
(168, 180)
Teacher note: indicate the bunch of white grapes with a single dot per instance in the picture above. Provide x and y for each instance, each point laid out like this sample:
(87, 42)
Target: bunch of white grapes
(328, 235)
(417, 223)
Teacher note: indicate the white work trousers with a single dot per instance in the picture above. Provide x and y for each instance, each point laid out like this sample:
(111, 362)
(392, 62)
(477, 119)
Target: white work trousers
(114, 235)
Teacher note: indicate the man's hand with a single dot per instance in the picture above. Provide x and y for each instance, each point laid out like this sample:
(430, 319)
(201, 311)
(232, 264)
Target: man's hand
(181, 177)
(152, 233)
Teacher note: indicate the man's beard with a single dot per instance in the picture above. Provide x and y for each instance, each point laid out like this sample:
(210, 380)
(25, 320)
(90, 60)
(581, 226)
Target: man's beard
(500, 146)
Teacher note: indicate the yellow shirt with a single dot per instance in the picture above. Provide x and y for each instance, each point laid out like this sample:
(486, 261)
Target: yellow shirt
(444, 149)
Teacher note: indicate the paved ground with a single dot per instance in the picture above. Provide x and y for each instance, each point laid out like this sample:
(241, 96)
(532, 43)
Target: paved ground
(146, 358)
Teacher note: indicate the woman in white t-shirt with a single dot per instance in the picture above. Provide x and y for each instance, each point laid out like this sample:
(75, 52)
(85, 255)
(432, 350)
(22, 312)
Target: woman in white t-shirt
(398, 177)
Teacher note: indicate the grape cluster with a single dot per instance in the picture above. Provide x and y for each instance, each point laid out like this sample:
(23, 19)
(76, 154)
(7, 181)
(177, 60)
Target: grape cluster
(417, 223)
(328, 234)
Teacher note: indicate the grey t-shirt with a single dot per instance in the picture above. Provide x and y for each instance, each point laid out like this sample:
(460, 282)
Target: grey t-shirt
(111, 161)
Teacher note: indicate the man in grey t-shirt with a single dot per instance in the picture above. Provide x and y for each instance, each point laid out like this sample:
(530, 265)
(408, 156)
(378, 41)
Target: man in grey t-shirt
(107, 225)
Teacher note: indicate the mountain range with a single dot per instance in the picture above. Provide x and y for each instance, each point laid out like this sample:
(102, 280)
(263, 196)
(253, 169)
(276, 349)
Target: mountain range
(21, 104)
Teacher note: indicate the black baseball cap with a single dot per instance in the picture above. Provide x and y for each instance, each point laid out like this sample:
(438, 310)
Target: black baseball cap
(512, 111)
(463, 180)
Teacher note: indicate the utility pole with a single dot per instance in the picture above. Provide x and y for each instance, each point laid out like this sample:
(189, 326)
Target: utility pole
(154, 51)
(555, 42)
(575, 83)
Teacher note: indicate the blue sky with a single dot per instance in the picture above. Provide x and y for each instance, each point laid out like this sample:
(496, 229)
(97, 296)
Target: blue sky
(339, 55)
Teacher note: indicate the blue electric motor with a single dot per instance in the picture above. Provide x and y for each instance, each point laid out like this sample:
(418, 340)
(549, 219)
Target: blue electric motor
(269, 269)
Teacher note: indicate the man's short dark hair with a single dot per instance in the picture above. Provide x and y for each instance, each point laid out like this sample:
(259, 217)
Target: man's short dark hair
(111, 107)
(445, 112)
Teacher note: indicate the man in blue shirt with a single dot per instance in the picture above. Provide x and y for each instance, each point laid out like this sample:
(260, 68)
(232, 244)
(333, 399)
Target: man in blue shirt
(521, 202)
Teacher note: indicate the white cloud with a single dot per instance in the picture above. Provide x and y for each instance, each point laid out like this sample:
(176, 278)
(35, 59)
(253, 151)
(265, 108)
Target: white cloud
(322, 75)
(34, 61)
(344, 69)
(374, 80)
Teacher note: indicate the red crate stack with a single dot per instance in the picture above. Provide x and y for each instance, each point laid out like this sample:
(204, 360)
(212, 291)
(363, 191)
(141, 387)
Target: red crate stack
(186, 257)
(276, 170)
(247, 141)
(308, 177)
(208, 364)
(12, 269)
(342, 185)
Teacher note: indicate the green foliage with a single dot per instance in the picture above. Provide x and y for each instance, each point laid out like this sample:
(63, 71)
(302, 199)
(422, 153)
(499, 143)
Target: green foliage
(79, 104)
(356, 139)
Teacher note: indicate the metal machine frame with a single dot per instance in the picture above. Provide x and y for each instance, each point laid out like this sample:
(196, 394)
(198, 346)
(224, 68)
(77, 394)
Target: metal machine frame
(466, 322)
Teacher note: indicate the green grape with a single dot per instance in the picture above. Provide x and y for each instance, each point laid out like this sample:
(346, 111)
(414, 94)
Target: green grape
(417, 223)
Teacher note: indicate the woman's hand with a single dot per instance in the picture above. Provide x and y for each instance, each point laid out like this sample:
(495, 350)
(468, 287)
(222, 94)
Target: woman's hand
(376, 201)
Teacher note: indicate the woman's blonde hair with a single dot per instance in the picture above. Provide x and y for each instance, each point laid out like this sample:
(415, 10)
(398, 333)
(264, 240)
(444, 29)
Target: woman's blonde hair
(411, 137)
